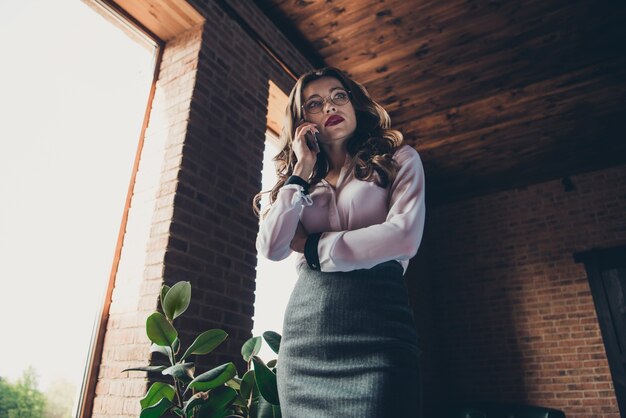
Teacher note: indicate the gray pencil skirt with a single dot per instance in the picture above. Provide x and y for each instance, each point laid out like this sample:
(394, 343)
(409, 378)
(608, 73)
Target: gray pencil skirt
(349, 346)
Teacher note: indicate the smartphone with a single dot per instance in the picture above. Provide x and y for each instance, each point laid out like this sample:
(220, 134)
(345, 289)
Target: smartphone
(311, 141)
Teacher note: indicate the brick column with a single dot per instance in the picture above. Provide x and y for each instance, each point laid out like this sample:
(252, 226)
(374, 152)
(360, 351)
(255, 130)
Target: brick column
(140, 272)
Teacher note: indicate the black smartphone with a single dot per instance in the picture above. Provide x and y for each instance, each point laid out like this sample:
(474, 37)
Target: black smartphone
(311, 141)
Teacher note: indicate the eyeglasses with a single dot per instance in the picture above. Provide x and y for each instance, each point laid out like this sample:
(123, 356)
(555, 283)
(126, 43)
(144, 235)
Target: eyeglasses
(315, 104)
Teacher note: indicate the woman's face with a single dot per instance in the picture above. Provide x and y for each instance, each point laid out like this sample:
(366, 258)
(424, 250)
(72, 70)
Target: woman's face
(336, 123)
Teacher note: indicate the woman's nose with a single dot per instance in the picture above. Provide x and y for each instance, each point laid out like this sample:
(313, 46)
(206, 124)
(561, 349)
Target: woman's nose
(330, 106)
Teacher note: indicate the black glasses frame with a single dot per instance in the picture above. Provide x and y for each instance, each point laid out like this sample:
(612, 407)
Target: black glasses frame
(329, 97)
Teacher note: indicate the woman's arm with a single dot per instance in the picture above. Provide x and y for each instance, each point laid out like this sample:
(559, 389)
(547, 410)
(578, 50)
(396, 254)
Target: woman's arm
(398, 238)
(277, 229)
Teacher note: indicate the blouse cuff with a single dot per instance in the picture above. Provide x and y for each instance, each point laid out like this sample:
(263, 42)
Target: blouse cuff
(299, 180)
(298, 197)
(310, 251)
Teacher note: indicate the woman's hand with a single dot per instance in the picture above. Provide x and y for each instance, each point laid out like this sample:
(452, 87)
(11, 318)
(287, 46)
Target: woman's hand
(299, 239)
(306, 156)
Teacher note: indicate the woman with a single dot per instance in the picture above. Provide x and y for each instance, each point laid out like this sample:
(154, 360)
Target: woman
(350, 201)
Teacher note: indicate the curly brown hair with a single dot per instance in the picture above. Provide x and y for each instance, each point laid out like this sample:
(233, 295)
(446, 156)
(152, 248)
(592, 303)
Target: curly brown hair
(371, 148)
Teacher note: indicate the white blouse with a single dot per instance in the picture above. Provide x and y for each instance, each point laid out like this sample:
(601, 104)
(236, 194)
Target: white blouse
(362, 224)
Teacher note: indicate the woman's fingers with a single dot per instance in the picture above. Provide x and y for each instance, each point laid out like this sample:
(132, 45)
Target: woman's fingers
(304, 147)
(306, 155)
(306, 127)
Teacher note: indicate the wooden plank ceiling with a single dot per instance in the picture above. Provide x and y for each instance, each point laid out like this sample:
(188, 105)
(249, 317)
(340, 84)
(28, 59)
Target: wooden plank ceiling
(164, 18)
(493, 94)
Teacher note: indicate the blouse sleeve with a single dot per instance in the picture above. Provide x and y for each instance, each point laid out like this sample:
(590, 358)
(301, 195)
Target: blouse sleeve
(397, 238)
(279, 226)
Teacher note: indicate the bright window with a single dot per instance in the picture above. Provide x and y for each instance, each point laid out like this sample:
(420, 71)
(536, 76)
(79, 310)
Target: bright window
(275, 279)
(74, 90)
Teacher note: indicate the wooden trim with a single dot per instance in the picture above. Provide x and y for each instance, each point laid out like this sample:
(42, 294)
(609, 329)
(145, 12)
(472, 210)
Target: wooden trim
(606, 257)
(166, 19)
(112, 12)
(88, 390)
(277, 103)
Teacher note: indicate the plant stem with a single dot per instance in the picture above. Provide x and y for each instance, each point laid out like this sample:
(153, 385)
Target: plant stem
(172, 356)
(173, 361)
(178, 395)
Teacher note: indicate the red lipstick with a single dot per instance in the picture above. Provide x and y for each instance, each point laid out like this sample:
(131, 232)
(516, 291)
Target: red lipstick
(333, 120)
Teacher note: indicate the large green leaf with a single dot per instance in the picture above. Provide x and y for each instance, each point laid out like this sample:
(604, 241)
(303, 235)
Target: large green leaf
(154, 348)
(254, 397)
(182, 371)
(177, 300)
(247, 384)
(251, 348)
(196, 400)
(209, 413)
(214, 377)
(206, 342)
(159, 330)
(164, 289)
(234, 383)
(166, 351)
(155, 411)
(157, 392)
(273, 340)
(240, 401)
(221, 397)
(224, 413)
(266, 381)
(147, 369)
(219, 402)
(264, 409)
(260, 408)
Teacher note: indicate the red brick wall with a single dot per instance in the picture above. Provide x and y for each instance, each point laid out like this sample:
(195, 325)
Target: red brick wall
(513, 315)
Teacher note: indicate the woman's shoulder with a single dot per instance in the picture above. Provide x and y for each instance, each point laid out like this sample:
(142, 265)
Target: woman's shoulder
(406, 153)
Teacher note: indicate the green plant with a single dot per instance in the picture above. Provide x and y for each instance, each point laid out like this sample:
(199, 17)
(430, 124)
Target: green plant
(21, 399)
(218, 393)
(258, 385)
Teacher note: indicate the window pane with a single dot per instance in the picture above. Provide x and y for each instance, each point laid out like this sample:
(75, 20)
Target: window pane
(74, 92)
